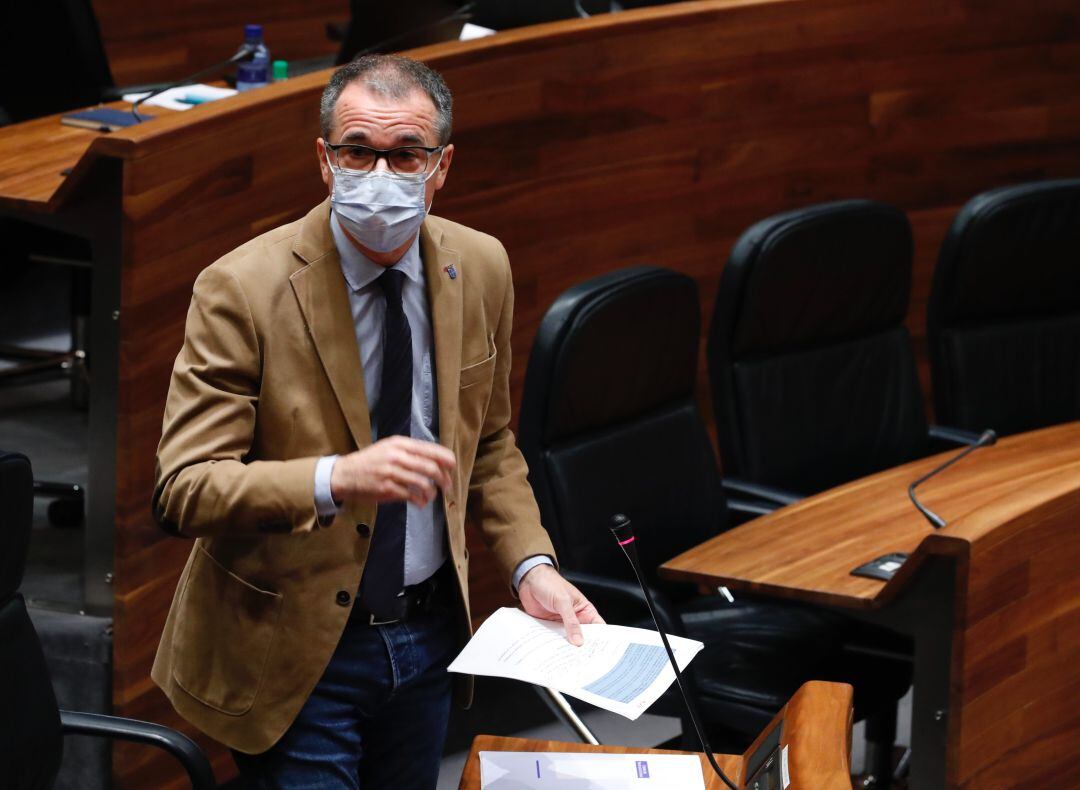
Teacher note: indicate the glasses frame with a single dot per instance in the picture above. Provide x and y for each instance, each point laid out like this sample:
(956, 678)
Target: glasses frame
(384, 153)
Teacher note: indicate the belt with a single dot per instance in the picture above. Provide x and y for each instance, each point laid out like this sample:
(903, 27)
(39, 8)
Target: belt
(412, 600)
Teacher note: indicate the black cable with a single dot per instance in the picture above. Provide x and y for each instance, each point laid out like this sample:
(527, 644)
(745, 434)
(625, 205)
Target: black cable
(621, 528)
(245, 52)
(987, 438)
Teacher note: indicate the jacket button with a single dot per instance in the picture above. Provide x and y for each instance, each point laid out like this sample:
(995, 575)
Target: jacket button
(363, 530)
(343, 598)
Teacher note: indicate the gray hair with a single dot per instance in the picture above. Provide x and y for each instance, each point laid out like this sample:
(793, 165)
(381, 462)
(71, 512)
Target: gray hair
(394, 76)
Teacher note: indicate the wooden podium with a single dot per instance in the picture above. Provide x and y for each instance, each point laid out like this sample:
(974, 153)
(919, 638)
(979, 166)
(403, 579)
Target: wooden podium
(812, 733)
(992, 600)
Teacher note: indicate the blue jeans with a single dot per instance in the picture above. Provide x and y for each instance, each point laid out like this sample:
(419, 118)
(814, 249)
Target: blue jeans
(376, 719)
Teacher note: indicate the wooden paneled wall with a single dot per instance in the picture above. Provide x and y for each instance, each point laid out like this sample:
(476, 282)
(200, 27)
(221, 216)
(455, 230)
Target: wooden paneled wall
(147, 42)
(649, 137)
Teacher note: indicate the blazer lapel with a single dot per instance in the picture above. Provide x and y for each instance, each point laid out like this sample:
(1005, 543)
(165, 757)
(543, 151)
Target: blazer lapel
(444, 300)
(322, 293)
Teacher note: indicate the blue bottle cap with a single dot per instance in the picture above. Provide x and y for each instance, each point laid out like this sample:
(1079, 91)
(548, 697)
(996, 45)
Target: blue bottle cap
(252, 31)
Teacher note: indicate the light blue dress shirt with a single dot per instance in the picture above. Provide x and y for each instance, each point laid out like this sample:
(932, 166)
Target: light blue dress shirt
(425, 527)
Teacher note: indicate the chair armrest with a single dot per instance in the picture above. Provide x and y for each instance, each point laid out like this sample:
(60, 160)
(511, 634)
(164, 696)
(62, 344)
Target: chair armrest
(771, 494)
(590, 583)
(953, 435)
(175, 743)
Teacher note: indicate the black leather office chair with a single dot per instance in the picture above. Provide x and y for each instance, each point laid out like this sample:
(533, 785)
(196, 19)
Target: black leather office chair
(31, 726)
(52, 59)
(813, 376)
(609, 424)
(1003, 321)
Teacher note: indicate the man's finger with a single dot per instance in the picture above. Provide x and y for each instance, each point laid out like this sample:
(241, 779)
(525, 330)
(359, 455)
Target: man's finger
(433, 450)
(392, 492)
(590, 615)
(412, 481)
(570, 621)
(425, 466)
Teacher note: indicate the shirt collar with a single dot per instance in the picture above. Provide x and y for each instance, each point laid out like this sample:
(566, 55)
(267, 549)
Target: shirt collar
(359, 271)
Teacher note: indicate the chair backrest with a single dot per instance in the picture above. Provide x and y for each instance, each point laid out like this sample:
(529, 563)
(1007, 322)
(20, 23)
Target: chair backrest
(506, 14)
(393, 27)
(609, 423)
(1003, 321)
(51, 57)
(813, 377)
(30, 738)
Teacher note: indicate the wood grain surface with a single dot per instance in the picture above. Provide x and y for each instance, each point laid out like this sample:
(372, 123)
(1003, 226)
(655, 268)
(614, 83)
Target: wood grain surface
(1012, 511)
(807, 550)
(816, 732)
(648, 137)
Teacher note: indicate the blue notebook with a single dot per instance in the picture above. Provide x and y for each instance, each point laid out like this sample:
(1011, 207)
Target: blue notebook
(102, 119)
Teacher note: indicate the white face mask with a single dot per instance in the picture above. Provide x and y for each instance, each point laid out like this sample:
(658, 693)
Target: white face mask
(380, 209)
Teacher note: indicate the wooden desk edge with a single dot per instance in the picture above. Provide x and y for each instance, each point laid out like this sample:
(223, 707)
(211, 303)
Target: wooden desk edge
(817, 734)
(470, 775)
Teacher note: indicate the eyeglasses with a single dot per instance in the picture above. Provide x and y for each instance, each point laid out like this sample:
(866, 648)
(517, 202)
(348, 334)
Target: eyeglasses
(405, 160)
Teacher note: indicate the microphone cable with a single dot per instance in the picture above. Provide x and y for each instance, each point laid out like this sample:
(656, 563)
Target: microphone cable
(624, 535)
(987, 438)
(246, 52)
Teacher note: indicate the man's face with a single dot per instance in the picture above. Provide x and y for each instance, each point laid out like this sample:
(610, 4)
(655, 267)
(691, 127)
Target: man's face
(367, 118)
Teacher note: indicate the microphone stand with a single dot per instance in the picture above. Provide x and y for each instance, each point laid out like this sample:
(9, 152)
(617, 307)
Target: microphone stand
(243, 54)
(624, 534)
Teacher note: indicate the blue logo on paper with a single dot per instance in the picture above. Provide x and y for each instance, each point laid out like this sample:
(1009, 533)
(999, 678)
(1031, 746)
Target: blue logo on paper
(642, 769)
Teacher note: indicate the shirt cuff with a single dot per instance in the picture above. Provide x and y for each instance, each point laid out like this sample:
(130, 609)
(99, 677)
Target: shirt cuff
(527, 565)
(325, 506)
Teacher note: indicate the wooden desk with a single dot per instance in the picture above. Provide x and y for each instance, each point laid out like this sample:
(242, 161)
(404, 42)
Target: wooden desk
(651, 136)
(992, 600)
(815, 728)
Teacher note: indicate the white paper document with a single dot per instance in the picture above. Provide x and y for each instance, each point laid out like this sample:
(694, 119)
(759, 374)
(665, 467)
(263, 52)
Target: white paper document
(469, 31)
(173, 98)
(619, 669)
(553, 770)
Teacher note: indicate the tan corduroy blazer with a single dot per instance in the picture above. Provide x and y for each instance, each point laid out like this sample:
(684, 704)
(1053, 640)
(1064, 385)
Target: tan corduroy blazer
(269, 379)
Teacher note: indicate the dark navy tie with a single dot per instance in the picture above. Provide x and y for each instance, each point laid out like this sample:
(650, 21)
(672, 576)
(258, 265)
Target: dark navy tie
(384, 571)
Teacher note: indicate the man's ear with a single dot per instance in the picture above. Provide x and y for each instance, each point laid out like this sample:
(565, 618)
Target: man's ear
(444, 166)
(324, 167)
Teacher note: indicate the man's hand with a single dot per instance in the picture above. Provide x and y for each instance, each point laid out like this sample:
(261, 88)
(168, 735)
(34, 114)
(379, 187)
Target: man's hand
(547, 595)
(392, 470)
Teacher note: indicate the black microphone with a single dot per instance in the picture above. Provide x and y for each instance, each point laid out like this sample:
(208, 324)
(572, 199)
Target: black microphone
(987, 438)
(245, 53)
(624, 534)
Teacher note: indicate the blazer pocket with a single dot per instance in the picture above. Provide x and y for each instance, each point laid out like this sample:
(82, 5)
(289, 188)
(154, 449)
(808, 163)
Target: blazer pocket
(481, 371)
(223, 637)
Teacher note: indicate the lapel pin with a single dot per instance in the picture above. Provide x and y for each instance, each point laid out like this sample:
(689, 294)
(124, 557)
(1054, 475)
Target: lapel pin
(451, 271)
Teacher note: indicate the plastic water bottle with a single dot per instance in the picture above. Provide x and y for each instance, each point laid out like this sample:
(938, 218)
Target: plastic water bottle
(254, 73)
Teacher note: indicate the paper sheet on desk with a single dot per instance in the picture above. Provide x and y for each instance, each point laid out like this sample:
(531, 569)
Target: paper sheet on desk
(170, 99)
(572, 771)
(619, 669)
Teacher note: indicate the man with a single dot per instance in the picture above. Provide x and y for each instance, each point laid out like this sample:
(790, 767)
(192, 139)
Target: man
(340, 401)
